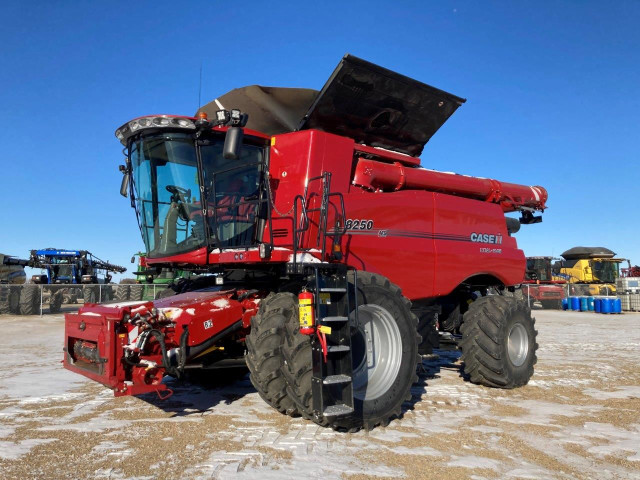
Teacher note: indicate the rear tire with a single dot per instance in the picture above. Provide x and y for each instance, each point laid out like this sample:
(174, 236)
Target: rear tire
(136, 292)
(264, 353)
(499, 342)
(428, 332)
(388, 313)
(5, 294)
(122, 293)
(55, 301)
(90, 294)
(14, 300)
(30, 300)
(105, 293)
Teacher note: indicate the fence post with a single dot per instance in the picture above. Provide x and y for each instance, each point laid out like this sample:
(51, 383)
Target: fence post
(41, 295)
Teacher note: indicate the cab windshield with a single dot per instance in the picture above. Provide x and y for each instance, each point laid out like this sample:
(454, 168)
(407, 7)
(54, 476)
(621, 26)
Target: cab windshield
(605, 271)
(175, 214)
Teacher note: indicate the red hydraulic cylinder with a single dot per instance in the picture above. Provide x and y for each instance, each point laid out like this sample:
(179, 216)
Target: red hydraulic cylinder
(374, 175)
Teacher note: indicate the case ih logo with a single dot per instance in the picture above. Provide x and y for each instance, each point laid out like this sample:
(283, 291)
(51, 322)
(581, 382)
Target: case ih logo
(486, 238)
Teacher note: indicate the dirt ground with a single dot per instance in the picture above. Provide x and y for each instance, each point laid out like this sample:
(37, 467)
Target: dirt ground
(579, 417)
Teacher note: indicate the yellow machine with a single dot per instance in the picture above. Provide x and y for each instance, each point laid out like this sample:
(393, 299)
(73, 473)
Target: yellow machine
(589, 270)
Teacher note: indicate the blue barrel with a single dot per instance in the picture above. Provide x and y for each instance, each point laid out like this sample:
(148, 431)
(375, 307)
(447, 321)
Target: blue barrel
(617, 305)
(590, 302)
(575, 303)
(607, 305)
(597, 305)
(565, 303)
(583, 304)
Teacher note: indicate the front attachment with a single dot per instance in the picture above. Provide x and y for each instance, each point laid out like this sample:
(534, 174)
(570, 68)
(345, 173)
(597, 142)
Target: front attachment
(131, 346)
(96, 342)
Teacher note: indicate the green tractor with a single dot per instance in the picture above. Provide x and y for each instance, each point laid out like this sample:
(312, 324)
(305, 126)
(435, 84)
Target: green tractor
(149, 284)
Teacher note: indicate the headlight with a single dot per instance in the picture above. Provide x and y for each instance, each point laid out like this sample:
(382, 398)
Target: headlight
(161, 121)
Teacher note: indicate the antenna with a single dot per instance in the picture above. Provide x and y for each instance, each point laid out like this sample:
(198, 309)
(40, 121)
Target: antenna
(200, 87)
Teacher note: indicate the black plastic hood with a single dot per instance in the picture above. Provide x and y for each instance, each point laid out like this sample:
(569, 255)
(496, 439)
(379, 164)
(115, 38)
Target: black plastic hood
(378, 107)
(272, 110)
(363, 101)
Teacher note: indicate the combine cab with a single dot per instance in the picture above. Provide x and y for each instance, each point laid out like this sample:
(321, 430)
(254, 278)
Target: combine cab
(589, 270)
(329, 258)
(539, 285)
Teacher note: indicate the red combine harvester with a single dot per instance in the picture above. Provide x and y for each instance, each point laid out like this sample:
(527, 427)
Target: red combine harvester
(539, 285)
(630, 271)
(328, 252)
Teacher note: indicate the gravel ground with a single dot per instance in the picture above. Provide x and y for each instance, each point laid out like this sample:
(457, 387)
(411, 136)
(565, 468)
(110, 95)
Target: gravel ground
(579, 417)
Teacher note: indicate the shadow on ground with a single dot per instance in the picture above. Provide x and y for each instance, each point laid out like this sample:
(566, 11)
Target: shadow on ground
(430, 369)
(199, 395)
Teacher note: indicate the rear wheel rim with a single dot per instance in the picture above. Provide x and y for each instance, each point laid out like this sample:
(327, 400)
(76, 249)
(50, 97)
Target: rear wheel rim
(518, 344)
(377, 359)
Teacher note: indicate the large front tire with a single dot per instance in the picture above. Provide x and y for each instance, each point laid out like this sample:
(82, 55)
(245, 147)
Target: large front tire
(499, 342)
(382, 374)
(264, 353)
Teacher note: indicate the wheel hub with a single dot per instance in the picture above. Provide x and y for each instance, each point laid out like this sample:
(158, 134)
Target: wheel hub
(377, 352)
(518, 344)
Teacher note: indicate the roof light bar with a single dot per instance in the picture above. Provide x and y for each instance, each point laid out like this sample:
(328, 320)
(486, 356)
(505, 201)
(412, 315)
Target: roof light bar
(158, 121)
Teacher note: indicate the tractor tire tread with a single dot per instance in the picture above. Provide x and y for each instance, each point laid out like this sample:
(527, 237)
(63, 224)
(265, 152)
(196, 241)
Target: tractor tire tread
(264, 350)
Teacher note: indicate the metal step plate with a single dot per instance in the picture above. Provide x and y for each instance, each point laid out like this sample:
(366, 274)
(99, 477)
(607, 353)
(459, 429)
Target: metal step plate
(334, 379)
(337, 410)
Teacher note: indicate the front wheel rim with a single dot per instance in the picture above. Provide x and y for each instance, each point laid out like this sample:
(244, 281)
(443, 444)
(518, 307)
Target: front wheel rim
(518, 344)
(377, 363)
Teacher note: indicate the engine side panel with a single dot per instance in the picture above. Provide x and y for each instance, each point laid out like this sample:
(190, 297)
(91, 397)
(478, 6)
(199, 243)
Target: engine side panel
(429, 243)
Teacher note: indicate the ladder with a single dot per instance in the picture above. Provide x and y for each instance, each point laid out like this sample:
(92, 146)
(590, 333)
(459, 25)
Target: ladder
(332, 386)
(302, 213)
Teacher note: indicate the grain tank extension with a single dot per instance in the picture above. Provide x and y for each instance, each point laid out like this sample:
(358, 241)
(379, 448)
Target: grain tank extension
(329, 259)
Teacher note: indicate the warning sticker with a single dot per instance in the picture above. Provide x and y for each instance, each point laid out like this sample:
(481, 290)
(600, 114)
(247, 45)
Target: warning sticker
(325, 298)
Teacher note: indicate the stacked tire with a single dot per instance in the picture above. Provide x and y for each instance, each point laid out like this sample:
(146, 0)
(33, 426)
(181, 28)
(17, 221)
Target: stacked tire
(30, 299)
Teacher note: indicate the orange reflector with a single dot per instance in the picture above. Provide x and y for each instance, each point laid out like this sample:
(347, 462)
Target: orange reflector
(202, 115)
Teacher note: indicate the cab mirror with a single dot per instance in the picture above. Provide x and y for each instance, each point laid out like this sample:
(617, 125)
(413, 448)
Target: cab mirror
(233, 143)
(124, 186)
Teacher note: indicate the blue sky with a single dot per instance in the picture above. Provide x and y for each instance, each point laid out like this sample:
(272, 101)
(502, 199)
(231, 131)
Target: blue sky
(552, 89)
